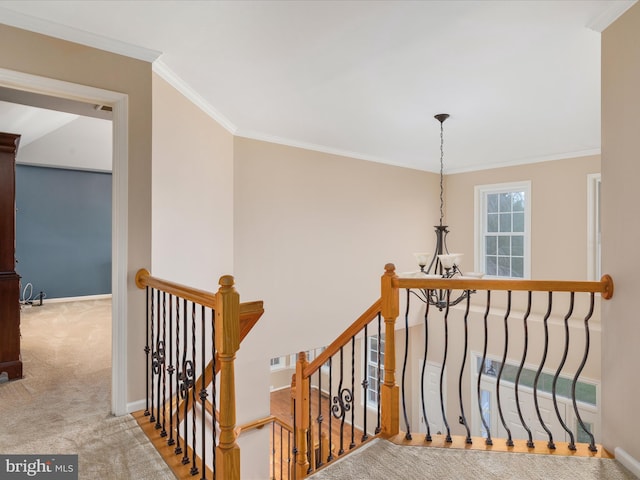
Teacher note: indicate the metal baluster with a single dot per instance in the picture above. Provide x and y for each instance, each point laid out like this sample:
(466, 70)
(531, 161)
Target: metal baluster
(530, 443)
(427, 437)
(214, 401)
(152, 418)
(504, 360)
(488, 441)
(295, 440)
(353, 407)
(365, 382)
(444, 363)
(592, 443)
(194, 467)
(171, 369)
(147, 350)
(330, 457)
(572, 445)
(178, 449)
(319, 419)
(339, 407)
(404, 366)
(309, 436)
(187, 375)
(379, 373)
(464, 360)
(203, 393)
(289, 453)
(550, 444)
(163, 433)
(158, 359)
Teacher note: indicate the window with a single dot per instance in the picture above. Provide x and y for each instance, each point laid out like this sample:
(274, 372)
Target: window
(375, 359)
(593, 226)
(585, 392)
(503, 229)
(277, 363)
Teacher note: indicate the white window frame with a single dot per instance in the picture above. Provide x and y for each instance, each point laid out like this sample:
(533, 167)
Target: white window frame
(480, 207)
(594, 267)
(277, 363)
(374, 403)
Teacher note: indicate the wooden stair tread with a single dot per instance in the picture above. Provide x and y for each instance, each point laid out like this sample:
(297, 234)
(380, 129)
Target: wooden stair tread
(167, 452)
(500, 445)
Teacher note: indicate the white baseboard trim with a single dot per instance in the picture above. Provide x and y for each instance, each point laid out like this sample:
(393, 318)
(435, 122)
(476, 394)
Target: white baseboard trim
(277, 389)
(627, 461)
(136, 406)
(105, 296)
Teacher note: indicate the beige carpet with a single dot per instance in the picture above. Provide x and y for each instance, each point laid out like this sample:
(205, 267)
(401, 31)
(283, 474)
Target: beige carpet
(382, 460)
(62, 404)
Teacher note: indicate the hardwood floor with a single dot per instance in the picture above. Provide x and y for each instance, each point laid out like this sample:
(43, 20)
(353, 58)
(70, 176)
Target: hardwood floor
(281, 408)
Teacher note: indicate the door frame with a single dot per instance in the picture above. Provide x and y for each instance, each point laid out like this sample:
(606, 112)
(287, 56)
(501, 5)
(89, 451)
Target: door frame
(119, 220)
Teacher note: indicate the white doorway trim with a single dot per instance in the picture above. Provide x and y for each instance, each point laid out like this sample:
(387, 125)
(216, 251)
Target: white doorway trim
(120, 104)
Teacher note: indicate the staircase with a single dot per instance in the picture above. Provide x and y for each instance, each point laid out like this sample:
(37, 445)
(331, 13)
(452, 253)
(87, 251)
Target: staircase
(501, 372)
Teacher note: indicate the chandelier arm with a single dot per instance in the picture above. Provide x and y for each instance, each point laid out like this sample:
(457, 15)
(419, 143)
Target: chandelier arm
(422, 296)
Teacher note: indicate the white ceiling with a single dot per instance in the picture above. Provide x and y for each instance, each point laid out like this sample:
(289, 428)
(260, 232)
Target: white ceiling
(521, 79)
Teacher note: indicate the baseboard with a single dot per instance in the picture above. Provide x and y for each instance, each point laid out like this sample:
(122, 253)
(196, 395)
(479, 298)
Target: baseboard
(271, 390)
(136, 406)
(628, 461)
(105, 296)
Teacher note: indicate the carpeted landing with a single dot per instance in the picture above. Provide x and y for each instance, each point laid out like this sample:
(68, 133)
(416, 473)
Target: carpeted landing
(62, 404)
(383, 460)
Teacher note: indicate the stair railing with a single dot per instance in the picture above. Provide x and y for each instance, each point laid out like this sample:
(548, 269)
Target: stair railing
(500, 318)
(281, 443)
(325, 389)
(192, 337)
(336, 405)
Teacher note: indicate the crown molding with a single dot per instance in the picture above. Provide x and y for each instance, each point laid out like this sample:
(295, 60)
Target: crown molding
(63, 32)
(160, 68)
(319, 148)
(610, 15)
(526, 161)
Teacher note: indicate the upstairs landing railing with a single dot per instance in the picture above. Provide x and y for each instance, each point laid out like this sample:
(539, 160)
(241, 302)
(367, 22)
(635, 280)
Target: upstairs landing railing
(351, 394)
(192, 339)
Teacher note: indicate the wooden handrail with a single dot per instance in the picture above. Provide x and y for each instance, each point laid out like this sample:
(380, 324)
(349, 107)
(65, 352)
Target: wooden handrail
(257, 424)
(201, 297)
(604, 286)
(353, 329)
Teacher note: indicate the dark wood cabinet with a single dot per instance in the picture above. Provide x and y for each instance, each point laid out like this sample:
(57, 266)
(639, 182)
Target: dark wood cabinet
(10, 360)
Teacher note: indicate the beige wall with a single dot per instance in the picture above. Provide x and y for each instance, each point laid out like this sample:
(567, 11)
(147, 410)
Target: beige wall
(621, 230)
(312, 234)
(558, 214)
(47, 57)
(192, 207)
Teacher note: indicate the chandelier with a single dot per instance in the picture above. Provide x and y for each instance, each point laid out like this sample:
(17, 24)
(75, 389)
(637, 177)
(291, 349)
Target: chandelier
(443, 264)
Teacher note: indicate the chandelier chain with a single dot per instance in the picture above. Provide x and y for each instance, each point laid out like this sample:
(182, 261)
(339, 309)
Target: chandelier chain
(441, 172)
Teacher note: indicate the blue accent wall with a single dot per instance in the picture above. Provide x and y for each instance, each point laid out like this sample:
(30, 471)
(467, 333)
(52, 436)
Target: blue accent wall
(63, 231)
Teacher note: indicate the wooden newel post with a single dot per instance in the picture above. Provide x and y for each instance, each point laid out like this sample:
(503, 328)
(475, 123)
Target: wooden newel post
(227, 326)
(301, 418)
(390, 393)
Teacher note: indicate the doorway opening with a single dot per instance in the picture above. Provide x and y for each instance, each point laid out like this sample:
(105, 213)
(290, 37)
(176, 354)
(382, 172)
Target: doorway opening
(26, 85)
